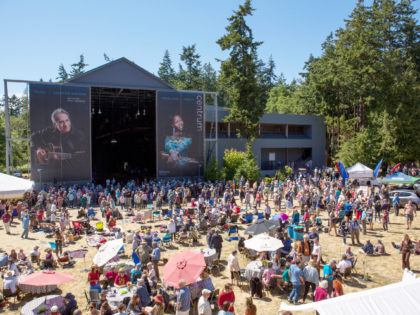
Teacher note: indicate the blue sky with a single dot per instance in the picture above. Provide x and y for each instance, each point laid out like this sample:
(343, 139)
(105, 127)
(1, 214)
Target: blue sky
(40, 35)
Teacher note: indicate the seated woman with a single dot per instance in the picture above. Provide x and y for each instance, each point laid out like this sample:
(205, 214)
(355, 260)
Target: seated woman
(49, 259)
(13, 255)
(130, 212)
(22, 256)
(183, 235)
(268, 273)
(134, 307)
(349, 255)
(135, 273)
(121, 280)
(159, 306)
(379, 248)
(112, 222)
(27, 269)
(151, 274)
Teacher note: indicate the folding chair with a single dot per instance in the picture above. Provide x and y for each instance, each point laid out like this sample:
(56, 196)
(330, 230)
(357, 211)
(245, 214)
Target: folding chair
(170, 213)
(234, 218)
(167, 239)
(347, 273)
(203, 226)
(232, 229)
(214, 295)
(240, 279)
(249, 218)
(260, 216)
(94, 295)
(147, 215)
(155, 214)
(214, 264)
(213, 223)
(354, 265)
(7, 293)
(272, 284)
(99, 226)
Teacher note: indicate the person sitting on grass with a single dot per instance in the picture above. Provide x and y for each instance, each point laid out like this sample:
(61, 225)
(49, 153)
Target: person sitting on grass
(367, 249)
(379, 248)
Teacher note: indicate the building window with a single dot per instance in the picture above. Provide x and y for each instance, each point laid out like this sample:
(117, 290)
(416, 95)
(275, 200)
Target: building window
(296, 129)
(272, 130)
(223, 130)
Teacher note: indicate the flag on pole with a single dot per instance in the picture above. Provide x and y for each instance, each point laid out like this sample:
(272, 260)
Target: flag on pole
(396, 166)
(343, 171)
(375, 173)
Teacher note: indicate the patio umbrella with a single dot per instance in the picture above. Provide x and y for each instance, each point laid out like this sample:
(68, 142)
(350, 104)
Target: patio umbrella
(46, 277)
(261, 226)
(398, 178)
(187, 265)
(263, 243)
(280, 216)
(107, 251)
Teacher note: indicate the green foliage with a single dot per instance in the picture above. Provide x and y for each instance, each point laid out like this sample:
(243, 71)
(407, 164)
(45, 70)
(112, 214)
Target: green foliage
(249, 169)
(232, 160)
(240, 73)
(62, 74)
(166, 72)
(213, 170)
(190, 76)
(79, 67)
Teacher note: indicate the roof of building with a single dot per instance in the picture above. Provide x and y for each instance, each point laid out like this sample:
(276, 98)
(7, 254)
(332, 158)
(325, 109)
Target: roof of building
(121, 73)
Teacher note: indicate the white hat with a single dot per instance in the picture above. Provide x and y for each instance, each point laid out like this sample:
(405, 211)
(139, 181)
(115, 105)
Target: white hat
(54, 308)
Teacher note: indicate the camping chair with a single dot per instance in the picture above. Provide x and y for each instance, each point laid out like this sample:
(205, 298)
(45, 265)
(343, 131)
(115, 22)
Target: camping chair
(170, 213)
(213, 223)
(260, 216)
(77, 227)
(203, 226)
(165, 213)
(178, 211)
(347, 273)
(249, 217)
(249, 255)
(137, 218)
(34, 259)
(94, 295)
(87, 301)
(240, 279)
(137, 276)
(194, 308)
(99, 226)
(111, 282)
(353, 268)
(7, 293)
(167, 239)
(232, 229)
(155, 214)
(214, 264)
(167, 298)
(234, 218)
(91, 214)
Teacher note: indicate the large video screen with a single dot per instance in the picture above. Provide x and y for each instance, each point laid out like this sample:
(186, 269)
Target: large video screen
(60, 133)
(180, 134)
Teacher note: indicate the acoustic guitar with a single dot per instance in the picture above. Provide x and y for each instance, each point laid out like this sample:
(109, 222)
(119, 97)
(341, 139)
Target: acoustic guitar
(53, 150)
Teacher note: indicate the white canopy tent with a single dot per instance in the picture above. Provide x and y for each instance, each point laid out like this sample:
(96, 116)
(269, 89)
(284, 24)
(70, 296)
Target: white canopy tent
(398, 298)
(12, 187)
(360, 171)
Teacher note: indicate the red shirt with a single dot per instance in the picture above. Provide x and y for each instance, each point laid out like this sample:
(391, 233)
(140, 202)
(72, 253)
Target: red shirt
(230, 297)
(121, 280)
(93, 276)
(5, 217)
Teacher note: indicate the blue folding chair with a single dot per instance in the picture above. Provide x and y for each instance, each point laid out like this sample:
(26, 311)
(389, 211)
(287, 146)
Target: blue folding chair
(211, 202)
(249, 217)
(260, 216)
(169, 214)
(167, 239)
(178, 211)
(136, 258)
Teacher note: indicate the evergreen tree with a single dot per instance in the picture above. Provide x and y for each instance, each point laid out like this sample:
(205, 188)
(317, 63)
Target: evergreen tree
(239, 73)
(78, 68)
(208, 81)
(190, 76)
(166, 72)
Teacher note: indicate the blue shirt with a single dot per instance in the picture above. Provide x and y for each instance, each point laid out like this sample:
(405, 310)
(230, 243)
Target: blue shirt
(295, 273)
(156, 253)
(328, 271)
(25, 222)
(184, 297)
(144, 295)
(348, 207)
(396, 200)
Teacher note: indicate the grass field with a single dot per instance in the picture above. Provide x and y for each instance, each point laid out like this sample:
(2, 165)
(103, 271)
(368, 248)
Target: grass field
(382, 270)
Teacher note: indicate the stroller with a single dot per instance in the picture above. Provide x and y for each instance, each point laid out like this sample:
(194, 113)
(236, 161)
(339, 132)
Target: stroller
(77, 227)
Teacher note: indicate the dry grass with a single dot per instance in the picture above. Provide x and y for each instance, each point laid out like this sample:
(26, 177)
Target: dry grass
(388, 266)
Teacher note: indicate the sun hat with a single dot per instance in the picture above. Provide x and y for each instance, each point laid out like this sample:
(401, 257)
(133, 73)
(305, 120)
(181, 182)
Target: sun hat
(159, 298)
(54, 309)
(121, 270)
(69, 296)
(139, 265)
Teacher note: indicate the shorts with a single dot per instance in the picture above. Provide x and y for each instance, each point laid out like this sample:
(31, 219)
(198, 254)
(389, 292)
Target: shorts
(409, 217)
(332, 224)
(232, 275)
(370, 219)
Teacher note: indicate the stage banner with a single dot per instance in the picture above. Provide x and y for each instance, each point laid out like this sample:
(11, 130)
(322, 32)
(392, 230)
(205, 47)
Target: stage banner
(60, 133)
(180, 134)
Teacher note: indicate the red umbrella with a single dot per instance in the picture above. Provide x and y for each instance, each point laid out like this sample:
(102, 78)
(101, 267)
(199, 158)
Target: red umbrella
(46, 277)
(187, 265)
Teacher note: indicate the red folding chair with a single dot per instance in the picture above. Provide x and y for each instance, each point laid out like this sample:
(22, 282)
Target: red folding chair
(77, 227)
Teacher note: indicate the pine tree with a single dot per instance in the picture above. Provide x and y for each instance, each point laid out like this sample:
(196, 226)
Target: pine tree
(62, 74)
(190, 76)
(208, 81)
(239, 73)
(78, 68)
(166, 72)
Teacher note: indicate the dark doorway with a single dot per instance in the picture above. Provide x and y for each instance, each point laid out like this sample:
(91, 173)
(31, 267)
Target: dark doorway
(123, 134)
(306, 153)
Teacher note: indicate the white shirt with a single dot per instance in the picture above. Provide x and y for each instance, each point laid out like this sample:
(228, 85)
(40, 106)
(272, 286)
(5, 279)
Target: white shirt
(53, 207)
(34, 253)
(343, 264)
(317, 251)
(10, 283)
(204, 306)
(233, 263)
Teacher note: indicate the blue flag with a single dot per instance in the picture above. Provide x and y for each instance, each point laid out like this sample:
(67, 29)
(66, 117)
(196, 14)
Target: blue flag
(375, 173)
(343, 171)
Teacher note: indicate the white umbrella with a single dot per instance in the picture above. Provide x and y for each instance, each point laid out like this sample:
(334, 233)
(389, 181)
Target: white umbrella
(12, 187)
(263, 243)
(107, 251)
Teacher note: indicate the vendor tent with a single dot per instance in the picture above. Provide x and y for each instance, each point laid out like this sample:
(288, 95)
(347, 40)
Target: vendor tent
(12, 187)
(360, 171)
(398, 298)
(398, 178)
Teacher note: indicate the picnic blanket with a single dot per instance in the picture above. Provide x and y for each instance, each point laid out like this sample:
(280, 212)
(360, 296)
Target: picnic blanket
(94, 240)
